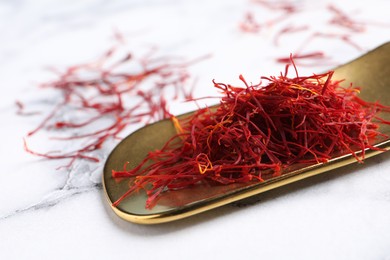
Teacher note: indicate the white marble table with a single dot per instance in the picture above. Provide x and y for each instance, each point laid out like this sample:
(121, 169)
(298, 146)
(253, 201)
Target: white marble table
(50, 214)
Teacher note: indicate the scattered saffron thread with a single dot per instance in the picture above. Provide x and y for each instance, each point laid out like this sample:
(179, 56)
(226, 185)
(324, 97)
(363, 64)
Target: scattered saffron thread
(288, 7)
(288, 10)
(21, 109)
(346, 38)
(249, 24)
(341, 19)
(287, 30)
(99, 100)
(315, 57)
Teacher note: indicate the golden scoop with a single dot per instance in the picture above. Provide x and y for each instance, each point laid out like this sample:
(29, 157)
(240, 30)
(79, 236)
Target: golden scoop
(370, 71)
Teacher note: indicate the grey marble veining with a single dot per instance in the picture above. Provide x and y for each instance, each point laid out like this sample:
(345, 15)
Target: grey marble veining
(81, 178)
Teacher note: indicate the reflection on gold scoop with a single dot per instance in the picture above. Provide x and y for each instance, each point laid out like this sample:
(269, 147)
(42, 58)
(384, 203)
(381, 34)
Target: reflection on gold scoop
(370, 71)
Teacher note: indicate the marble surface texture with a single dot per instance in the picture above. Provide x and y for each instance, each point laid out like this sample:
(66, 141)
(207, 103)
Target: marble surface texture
(62, 214)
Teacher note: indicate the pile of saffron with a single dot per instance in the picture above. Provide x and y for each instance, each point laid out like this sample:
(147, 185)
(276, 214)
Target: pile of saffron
(256, 132)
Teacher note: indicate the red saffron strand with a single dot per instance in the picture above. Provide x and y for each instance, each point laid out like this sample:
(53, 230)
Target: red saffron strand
(249, 24)
(257, 132)
(21, 107)
(287, 30)
(287, 7)
(346, 38)
(341, 19)
(315, 57)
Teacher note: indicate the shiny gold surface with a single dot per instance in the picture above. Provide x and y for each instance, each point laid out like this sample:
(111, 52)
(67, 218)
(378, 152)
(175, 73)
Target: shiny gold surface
(371, 72)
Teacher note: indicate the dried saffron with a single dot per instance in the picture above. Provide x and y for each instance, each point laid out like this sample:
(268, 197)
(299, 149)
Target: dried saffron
(256, 132)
